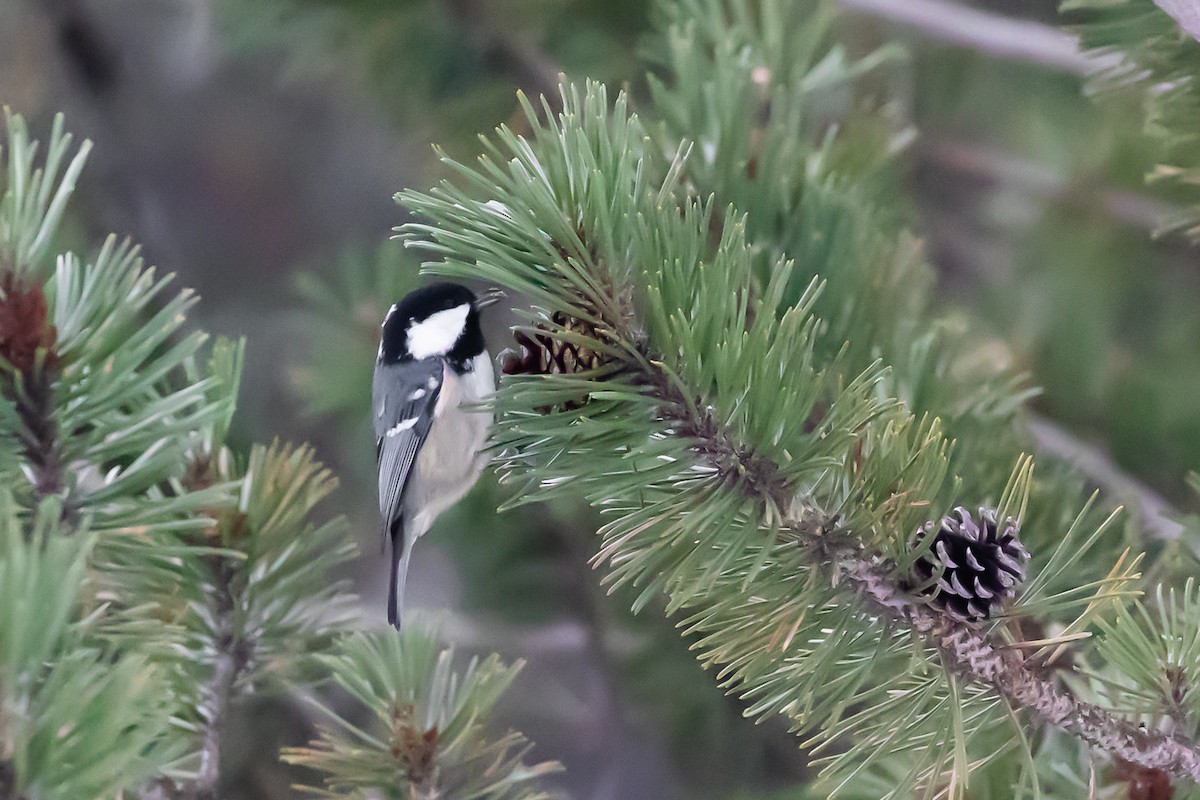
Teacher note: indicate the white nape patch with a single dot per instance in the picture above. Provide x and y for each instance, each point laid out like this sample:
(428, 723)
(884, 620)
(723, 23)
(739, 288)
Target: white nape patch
(437, 333)
(417, 395)
(401, 427)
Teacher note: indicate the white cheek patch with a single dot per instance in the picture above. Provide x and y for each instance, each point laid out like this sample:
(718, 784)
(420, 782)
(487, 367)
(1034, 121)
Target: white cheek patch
(401, 427)
(436, 335)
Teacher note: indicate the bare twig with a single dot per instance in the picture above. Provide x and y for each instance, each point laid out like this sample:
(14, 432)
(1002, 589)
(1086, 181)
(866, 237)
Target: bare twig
(534, 70)
(1155, 512)
(993, 34)
(1042, 180)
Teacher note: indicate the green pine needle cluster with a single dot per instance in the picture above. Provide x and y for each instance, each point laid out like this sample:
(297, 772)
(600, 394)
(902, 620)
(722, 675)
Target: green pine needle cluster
(78, 717)
(426, 738)
(1159, 61)
(1166, 628)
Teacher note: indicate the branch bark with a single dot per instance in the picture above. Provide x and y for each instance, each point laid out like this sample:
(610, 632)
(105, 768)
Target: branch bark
(232, 650)
(534, 70)
(28, 371)
(1154, 511)
(231, 660)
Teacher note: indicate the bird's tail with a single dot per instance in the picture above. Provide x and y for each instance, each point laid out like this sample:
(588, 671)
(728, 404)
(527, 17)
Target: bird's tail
(401, 550)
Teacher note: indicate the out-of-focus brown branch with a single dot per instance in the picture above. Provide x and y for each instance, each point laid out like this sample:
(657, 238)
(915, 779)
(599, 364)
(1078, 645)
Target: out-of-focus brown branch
(534, 71)
(1154, 511)
(1186, 14)
(975, 160)
(91, 57)
(986, 32)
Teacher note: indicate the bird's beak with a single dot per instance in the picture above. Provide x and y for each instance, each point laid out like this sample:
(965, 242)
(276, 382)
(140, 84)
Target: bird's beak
(487, 298)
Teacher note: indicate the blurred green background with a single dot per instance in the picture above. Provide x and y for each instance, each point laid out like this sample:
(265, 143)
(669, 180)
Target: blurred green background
(253, 147)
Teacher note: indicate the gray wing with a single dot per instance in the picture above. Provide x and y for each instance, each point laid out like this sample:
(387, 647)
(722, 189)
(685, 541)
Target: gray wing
(403, 397)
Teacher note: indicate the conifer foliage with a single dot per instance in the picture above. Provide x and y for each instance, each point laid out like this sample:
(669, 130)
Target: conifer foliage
(1158, 58)
(151, 577)
(775, 409)
(727, 344)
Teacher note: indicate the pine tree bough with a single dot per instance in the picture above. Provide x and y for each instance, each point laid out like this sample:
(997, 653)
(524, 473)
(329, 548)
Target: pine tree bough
(765, 453)
(963, 647)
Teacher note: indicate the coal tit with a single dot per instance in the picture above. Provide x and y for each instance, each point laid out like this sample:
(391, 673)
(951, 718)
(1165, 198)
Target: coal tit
(432, 361)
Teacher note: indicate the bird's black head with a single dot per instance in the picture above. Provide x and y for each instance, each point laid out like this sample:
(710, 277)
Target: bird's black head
(439, 320)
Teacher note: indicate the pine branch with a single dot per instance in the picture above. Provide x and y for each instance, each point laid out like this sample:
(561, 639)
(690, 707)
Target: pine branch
(34, 399)
(200, 577)
(425, 736)
(768, 491)
(232, 654)
(79, 718)
(1157, 39)
(974, 654)
(253, 596)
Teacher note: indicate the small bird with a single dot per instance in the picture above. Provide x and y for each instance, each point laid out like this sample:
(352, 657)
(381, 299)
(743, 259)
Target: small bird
(432, 365)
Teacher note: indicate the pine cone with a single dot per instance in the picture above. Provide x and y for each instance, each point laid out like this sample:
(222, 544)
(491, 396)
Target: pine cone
(25, 325)
(981, 563)
(543, 354)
